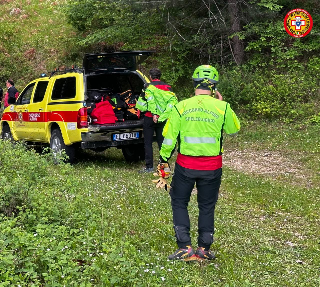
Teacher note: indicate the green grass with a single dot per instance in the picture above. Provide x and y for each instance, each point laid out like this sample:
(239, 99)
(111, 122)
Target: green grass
(35, 39)
(101, 223)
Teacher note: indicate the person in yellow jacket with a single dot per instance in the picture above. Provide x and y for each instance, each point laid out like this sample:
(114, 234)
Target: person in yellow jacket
(197, 125)
(156, 101)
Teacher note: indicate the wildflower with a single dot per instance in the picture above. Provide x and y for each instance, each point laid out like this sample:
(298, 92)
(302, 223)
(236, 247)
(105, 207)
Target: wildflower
(146, 270)
(162, 278)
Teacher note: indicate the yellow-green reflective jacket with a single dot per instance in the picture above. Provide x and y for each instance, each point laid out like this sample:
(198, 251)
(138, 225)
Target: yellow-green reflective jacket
(157, 101)
(198, 124)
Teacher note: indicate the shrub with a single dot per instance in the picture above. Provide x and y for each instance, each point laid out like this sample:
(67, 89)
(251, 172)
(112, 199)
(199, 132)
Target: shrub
(267, 93)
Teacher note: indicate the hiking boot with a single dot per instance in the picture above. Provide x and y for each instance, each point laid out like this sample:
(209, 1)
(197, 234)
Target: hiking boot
(202, 254)
(146, 170)
(186, 254)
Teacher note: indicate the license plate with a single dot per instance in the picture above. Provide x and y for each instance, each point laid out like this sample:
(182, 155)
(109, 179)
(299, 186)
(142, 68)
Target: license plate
(125, 136)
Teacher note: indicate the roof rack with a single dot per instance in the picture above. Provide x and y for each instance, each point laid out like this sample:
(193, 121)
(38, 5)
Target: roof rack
(65, 70)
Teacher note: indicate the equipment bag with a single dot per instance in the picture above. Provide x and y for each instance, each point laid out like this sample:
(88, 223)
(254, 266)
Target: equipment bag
(131, 112)
(124, 106)
(103, 114)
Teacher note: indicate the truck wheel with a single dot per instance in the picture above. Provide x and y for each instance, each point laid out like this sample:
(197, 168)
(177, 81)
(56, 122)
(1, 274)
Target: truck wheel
(57, 146)
(133, 153)
(6, 133)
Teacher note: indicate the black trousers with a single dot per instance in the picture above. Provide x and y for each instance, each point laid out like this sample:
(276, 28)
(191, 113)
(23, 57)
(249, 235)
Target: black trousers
(208, 184)
(149, 128)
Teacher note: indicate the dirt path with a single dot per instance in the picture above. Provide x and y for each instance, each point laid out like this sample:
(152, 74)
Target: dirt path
(270, 164)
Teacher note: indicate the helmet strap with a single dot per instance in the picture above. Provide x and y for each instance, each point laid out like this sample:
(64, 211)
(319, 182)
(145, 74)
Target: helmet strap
(204, 85)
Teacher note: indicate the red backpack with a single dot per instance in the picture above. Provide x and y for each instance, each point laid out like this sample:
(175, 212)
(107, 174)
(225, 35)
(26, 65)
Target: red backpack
(103, 114)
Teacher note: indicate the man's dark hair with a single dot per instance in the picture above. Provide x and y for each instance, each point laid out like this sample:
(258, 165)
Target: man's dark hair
(10, 82)
(155, 73)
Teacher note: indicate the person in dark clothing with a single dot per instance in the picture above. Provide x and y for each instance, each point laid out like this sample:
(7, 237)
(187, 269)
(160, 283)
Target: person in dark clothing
(157, 102)
(11, 94)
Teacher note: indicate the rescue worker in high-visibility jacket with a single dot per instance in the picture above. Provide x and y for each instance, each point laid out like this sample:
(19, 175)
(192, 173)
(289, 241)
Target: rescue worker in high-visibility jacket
(157, 101)
(197, 125)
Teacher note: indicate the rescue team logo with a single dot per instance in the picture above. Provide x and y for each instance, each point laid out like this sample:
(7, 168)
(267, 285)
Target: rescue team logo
(20, 117)
(298, 23)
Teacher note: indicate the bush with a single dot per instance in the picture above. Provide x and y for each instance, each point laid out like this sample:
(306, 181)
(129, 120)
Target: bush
(266, 93)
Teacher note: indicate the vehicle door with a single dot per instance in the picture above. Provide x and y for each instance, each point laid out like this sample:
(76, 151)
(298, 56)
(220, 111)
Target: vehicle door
(37, 118)
(21, 112)
(112, 62)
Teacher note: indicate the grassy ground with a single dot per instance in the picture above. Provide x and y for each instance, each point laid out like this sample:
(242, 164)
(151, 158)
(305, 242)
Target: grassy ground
(101, 223)
(35, 38)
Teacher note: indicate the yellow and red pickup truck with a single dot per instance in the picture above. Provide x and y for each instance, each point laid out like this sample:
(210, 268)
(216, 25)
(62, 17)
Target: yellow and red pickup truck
(54, 109)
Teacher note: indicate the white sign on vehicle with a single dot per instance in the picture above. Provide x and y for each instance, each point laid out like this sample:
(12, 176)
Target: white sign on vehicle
(33, 117)
(125, 136)
(71, 126)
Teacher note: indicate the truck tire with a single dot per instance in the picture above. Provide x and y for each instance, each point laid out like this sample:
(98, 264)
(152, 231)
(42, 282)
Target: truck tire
(57, 145)
(6, 133)
(133, 153)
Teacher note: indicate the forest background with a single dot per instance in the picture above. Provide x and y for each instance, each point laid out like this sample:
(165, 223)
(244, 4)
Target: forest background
(101, 223)
(264, 72)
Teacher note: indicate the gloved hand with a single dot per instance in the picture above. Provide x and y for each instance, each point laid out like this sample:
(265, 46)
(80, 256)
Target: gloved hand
(161, 183)
(163, 170)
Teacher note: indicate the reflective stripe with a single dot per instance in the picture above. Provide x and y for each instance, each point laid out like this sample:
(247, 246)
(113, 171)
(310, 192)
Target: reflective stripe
(170, 106)
(141, 103)
(196, 140)
(167, 141)
(160, 109)
(150, 98)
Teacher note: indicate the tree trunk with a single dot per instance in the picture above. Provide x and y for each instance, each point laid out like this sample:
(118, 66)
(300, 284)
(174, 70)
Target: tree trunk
(237, 45)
